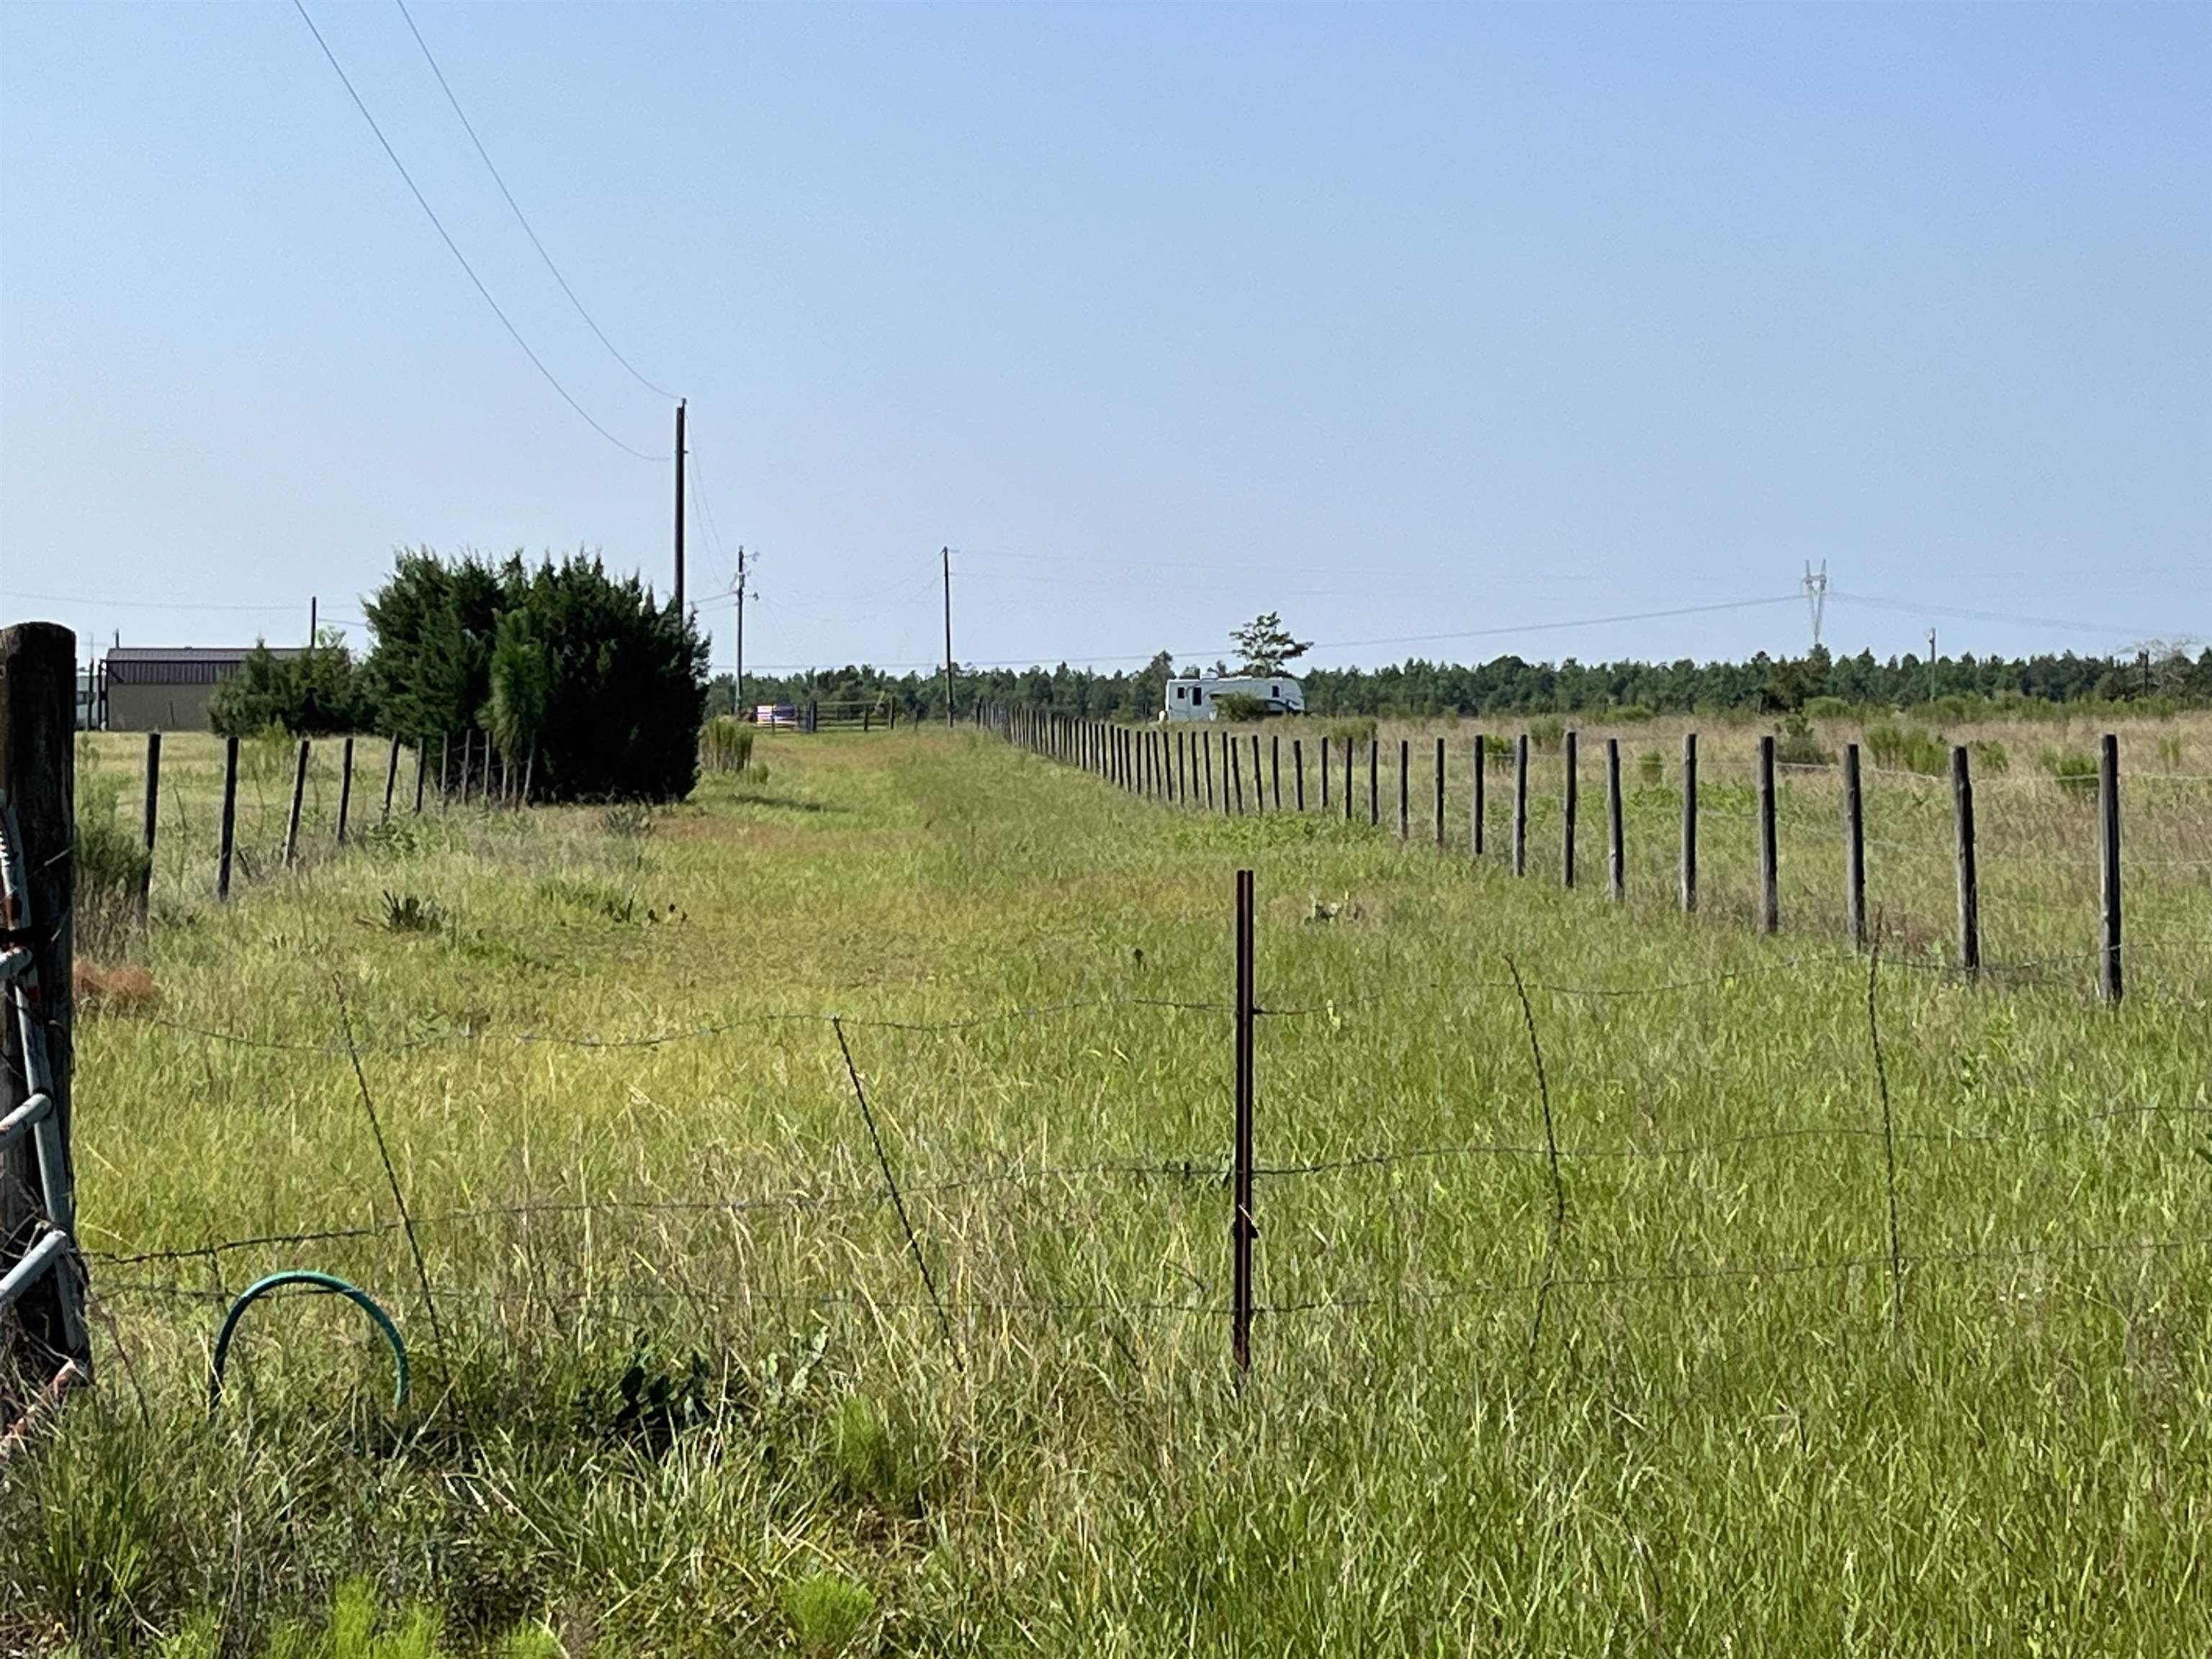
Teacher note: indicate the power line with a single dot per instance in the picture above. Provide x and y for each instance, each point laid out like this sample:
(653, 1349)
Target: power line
(147, 605)
(1913, 608)
(453, 248)
(521, 218)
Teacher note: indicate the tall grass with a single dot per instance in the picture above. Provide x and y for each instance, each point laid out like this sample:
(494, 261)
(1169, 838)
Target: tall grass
(694, 1398)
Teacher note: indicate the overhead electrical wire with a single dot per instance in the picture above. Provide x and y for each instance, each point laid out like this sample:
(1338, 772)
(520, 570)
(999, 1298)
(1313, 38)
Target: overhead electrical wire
(521, 218)
(1960, 613)
(453, 248)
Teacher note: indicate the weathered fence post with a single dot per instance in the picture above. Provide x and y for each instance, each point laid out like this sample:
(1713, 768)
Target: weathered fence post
(1689, 822)
(420, 754)
(1769, 874)
(1440, 795)
(2109, 979)
(229, 832)
(391, 775)
(1347, 779)
(345, 787)
(1569, 802)
(444, 767)
(1854, 850)
(153, 819)
(1616, 863)
(468, 751)
(1476, 808)
(1521, 805)
(1236, 771)
(1241, 1228)
(1322, 751)
(299, 795)
(42, 1338)
(1258, 794)
(1275, 767)
(1298, 769)
(1970, 899)
(1404, 790)
(1373, 783)
(1206, 754)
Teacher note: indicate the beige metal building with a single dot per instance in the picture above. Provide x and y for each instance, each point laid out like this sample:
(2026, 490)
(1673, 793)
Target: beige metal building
(168, 688)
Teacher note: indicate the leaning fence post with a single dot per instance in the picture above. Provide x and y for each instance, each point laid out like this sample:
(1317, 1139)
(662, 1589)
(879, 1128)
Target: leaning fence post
(420, 752)
(42, 1338)
(1404, 790)
(1298, 769)
(1241, 1230)
(1475, 805)
(153, 819)
(1568, 802)
(299, 795)
(229, 831)
(1854, 850)
(1769, 874)
(391, 775)
(1235, 772)
(2108, 851)
(1616, 865)
(1689, 822)
(345, 786)
(1206, 754)
(1521, 805)
(1970, 900)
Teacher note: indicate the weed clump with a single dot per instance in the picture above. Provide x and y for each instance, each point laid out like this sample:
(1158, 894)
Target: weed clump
(2074, 770)
(826, 1611)
(1899, 746)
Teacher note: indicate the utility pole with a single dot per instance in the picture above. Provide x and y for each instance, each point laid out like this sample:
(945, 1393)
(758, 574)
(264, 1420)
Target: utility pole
(310, 619)
(1816, 596)
(739, 707)
(1931, 665)
(947, 552)
(679, 510)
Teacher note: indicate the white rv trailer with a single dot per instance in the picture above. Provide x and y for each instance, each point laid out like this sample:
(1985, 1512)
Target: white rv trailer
(1193, 699)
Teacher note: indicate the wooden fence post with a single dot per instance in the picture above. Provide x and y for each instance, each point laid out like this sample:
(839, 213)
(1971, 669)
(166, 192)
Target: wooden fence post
(1236, 771)
(1373, 783)
(1205, 753)
(345, 787)
(299, 794)
(42, 1340)
(1258, 793)
(1404, 790)
(2109, 981)
(421, 752)
(1275, 767)
(1347, 779)
(1769, 874)
(391, 775)
(1241, 1228)
(1298, 769)
(1321, 749)
(229, 833)
(1476, 809)
(153, 819)
(1521, 805)
(1616, 864)
(1854, 850)
(1970, 898)
(1569, 803)
(444, 767)
(1689, 822)
(1440, 795)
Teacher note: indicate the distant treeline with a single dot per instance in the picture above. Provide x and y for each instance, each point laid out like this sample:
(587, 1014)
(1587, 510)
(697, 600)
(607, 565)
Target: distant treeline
(1510, 685)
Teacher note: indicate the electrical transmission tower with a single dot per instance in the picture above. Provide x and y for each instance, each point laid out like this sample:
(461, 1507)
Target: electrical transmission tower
(1816, 596)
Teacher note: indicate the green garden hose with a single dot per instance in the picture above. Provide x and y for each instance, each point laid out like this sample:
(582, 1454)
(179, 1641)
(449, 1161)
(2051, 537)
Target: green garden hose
(318, 1281)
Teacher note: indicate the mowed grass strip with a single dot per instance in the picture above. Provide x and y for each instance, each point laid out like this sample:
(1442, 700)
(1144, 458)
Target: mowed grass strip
(691, 1364)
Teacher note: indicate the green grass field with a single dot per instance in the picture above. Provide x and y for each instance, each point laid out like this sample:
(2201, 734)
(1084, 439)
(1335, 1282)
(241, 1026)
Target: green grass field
(679, 1386)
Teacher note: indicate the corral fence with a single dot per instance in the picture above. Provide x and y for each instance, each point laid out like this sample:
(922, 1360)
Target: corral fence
(1218, 770)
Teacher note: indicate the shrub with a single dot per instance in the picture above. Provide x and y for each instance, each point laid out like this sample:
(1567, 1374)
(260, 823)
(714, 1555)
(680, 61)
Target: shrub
(1237, 706)
(1498, 749)
(1548, 734)
(1900, 747)
(1825, 708)
(1632, 713)
(310, 693)
(1989, 755)
(1360, 731)
(1798, 744)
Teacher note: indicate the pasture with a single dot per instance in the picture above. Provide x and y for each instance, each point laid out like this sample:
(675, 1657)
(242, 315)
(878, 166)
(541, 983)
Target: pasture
(1720, 1337)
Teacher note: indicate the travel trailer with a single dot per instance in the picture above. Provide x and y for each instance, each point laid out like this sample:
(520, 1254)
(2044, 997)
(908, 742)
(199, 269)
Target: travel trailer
(1193, 699)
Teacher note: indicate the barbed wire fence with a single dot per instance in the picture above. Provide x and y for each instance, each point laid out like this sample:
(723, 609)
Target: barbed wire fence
(191, 1275)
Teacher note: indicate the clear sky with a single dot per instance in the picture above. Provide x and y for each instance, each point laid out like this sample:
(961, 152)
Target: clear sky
(1403, 322)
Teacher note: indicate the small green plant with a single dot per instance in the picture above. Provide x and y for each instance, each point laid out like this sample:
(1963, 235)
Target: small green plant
(1825, 708)
(627, 820)
(826, 1611)
(873, 1463)
(1798, 744)
(411, 913)
(2169, 751)
(1651, 767)
(112, 865)
(1498, 749)
(1989, 755)
(2074, 770)
(1632, 713)
(1548, 734)
(1358, 731)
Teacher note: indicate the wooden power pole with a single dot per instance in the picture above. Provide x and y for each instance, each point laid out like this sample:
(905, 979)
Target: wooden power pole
(679, 510)
(947, 553)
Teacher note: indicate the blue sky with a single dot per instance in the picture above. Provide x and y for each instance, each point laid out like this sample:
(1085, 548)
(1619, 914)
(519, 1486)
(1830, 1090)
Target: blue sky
(1406, 322)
